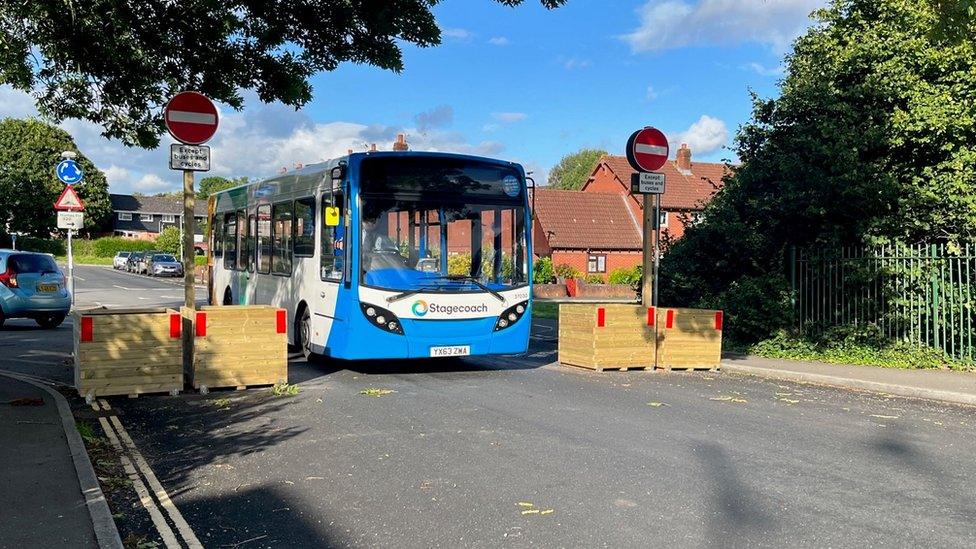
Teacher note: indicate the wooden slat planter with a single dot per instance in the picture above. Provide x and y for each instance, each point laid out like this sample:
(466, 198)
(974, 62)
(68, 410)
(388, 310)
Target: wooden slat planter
(606, 336)
(689, 339)
(127, 352)
(238, 346)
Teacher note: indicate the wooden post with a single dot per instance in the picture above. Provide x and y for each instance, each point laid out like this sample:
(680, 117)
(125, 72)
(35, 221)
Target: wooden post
(647, 286)
(189, 269)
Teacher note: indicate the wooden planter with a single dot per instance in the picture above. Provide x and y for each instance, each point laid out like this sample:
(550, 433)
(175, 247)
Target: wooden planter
(689, 339)
(238, 346)
(606, 336)
(127, 352)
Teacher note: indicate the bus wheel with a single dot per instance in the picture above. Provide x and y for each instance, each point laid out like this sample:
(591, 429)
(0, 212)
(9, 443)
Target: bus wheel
(305, 334)
(228, 299)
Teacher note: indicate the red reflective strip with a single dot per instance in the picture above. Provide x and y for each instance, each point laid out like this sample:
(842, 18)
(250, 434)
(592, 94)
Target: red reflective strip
(201, 324)
(282, 322)
(601, 317)
(718, 320)
(670, 321)
(175, 326)
(650, 316)
(87, 330)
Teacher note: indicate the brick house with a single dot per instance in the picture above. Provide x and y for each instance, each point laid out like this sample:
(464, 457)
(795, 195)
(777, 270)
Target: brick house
(144, 217)
(567, 227)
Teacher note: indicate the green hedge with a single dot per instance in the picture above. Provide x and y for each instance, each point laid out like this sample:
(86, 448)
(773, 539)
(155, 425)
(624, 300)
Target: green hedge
(32, 244)
(111, 245)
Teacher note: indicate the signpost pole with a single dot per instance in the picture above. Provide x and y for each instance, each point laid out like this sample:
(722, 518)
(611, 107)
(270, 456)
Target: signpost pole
(71, 267)
(647, 286)
(657, 246)
(188, 263)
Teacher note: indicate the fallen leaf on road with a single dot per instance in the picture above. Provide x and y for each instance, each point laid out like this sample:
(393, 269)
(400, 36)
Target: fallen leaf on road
(548, 512)
(788, 400)
(784, 394)
(725, 398)
(884, 417)
(314, 478)
(722, 398)
(656, 404)
(530, 512)
(708, 378)
(525, 504)
(372, 391)
(319, 400)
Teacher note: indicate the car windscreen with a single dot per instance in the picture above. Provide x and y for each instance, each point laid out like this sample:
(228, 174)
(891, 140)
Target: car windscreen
(164, 259)
(31, 263)
(124, 254)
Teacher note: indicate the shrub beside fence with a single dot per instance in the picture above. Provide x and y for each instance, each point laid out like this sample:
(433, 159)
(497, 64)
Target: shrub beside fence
(920, 294)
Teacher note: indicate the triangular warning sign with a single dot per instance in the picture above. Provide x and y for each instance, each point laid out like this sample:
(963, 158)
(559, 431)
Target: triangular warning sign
(69, 200)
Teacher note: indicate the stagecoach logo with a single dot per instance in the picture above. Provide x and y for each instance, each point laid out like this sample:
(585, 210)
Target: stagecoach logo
(421, 308)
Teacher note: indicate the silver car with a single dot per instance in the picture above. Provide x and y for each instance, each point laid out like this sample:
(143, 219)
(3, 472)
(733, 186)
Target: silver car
(118, 262)
(163, 265)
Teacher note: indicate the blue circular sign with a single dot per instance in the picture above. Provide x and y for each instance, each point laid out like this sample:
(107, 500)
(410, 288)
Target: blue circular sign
(511, 185)
(69, 172)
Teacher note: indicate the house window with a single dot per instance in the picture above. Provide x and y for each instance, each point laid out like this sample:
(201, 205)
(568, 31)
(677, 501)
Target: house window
(146, 217)
(663, 221)
(596, 263)
(125, 216)
(169, 218)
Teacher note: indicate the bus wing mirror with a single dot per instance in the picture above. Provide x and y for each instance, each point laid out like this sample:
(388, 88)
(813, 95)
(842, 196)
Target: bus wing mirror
(332, 216)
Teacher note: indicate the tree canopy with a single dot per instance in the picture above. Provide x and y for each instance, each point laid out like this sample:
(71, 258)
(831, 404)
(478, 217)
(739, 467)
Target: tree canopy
(574, 169)
(116, 62)
(214, 183)
(872, 139)
(29, 151)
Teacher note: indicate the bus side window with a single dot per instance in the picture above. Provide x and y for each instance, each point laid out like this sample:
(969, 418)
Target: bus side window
(230, 240)
(328, 268)
(242, 240)
(251, 242)
(281, 231)
(305, 227)
(217, 231)
(264, 239)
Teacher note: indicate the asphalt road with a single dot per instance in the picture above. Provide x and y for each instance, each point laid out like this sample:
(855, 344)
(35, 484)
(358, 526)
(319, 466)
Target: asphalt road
(633, 459)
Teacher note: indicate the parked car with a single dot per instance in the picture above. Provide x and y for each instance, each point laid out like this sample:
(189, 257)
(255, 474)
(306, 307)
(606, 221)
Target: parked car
(32, 286)
(132, 262)
(118, 262)
(164, 265)
(142, 267)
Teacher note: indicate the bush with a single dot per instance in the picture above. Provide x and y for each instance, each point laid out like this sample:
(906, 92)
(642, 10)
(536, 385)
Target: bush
(594, 279)
(755, 307)
(33, 244)
(542, 272)
(168, 240)
(626, 275)
(111, 245)
(564, 270)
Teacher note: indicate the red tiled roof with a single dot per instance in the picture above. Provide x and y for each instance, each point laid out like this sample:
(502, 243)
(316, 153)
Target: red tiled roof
(682, 192)
(575, 220)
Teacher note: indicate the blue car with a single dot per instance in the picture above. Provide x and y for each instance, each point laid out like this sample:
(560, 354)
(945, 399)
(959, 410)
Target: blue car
(32, 286)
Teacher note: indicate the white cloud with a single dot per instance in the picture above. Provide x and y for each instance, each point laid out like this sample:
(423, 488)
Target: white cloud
(509, 117)
(498, 41)
(677, 23)
(574, 63)
(457, 34)
(763, 70)
(651, 93)
(491, 127)
(705, 136)
(438, 117)
(15, 104)
(152, 183)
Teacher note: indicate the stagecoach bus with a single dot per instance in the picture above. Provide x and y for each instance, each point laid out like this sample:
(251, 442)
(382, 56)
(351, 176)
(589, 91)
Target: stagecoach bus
(383, 254)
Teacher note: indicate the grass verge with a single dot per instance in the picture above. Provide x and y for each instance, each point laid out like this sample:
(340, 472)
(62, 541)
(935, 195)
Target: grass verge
(544, 309)
(85, 260)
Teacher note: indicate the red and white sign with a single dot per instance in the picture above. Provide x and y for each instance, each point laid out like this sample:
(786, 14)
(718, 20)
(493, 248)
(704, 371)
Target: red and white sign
(647, 149)
(191, 118)
(69, 201)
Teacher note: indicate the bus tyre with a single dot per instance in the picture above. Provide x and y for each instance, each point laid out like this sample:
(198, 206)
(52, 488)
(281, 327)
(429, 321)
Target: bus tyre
(228, 300)
(304, 334)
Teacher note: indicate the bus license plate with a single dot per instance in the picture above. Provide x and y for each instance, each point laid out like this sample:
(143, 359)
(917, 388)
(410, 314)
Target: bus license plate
(451, 350)
(47, 287)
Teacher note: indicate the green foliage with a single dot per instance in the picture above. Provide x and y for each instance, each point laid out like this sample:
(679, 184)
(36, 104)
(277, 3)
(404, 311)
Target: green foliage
(871, 139)
(594, 279)
(847, 344)
(544, 309)
(573, 170)
(567, 271)
(212, 184)
(626, 275)
(217, 48)
(168, 240)
(285, 389)
(542, 271)
(29, 151)
(111, 245)
(32, 244)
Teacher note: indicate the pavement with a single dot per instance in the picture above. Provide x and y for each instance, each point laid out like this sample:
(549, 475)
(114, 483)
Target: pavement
(48, 489)
(519, 451)
(944, 385)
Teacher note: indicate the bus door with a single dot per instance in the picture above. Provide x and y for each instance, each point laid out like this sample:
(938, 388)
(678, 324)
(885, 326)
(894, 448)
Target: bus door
(332, 240)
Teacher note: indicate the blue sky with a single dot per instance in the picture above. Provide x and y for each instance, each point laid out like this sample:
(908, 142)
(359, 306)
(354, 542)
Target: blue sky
(524, 84)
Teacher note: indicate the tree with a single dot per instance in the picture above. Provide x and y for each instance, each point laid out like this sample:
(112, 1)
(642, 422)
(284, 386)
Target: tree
(29, 151)
(871, 140)
(573, 170)
(214, 183)
(116, 62)
(168, 240)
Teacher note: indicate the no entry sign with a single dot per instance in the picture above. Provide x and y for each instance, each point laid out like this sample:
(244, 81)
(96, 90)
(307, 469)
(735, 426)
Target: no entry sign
(647, 149)
(191, 118)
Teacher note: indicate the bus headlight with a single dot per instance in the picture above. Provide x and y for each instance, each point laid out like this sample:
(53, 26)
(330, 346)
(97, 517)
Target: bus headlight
(381, 318)
(511, 315)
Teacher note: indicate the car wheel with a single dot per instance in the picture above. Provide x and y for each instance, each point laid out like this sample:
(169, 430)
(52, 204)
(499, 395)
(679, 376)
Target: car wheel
(49, 322)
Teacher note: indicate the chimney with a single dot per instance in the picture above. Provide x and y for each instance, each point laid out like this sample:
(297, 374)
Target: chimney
(298, 165)
(684, 159)
(401, 143)
(348, 151)
(372, 148)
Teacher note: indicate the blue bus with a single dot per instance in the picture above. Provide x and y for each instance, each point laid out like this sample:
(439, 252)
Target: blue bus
(382, 255)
